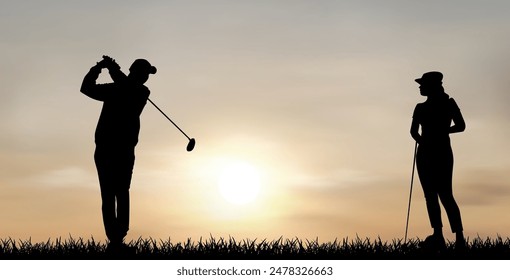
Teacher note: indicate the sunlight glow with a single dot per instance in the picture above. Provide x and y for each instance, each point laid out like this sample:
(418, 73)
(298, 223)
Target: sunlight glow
(239, 183)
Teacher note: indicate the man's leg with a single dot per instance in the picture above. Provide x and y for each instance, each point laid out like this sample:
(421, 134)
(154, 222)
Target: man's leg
(109, 216)
(124, 174)
(107, 186)
(122, 213)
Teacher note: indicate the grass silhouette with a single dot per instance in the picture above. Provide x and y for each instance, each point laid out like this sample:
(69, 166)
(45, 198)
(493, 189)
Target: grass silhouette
(229, 248)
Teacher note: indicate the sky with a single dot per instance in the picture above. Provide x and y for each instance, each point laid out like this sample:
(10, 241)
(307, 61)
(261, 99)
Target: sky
(315, 96)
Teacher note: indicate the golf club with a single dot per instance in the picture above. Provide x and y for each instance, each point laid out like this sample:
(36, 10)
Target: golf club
(411, 191)
(191, 143)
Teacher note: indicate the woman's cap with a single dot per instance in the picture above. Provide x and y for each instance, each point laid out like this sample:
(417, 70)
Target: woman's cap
(428, 78)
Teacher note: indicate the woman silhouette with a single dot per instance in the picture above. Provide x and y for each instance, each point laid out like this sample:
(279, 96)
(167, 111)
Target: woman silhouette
(434, 158)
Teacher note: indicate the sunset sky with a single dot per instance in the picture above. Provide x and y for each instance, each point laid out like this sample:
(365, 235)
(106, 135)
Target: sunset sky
(315, 96)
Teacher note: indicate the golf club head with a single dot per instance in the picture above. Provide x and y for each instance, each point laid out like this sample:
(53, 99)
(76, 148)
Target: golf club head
(191, 145)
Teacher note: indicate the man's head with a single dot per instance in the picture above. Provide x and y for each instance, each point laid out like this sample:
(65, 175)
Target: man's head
(140, 70)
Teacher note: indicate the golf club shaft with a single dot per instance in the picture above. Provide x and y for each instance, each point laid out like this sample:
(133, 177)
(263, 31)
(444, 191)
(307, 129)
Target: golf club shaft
(411, 191)
(168, 118)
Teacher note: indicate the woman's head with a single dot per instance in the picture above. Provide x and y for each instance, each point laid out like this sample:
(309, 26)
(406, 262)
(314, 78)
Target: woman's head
(431, 83)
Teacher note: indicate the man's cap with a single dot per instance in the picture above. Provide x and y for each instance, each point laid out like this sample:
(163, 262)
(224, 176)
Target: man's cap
(428, 78)
(143, 65)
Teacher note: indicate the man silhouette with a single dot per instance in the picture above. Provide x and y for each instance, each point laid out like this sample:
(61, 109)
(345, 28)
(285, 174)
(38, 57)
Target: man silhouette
(434, 158)
(116, 136)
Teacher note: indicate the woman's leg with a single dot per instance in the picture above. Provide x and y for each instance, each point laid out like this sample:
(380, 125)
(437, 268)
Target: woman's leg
(445, 191)
(425, 168)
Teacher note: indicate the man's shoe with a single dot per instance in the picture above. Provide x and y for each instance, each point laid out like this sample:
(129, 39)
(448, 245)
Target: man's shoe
(120, 249)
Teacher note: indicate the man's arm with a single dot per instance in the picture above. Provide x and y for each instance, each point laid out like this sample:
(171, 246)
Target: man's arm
(113, 68)
(99, 92)
(89, 86)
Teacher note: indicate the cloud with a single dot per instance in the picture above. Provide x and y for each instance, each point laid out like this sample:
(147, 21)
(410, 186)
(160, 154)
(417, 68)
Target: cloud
(483, 194)
(483, 187)
(66, 177)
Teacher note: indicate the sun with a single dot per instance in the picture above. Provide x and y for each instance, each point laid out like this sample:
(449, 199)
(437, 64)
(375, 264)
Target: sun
(239, 183)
